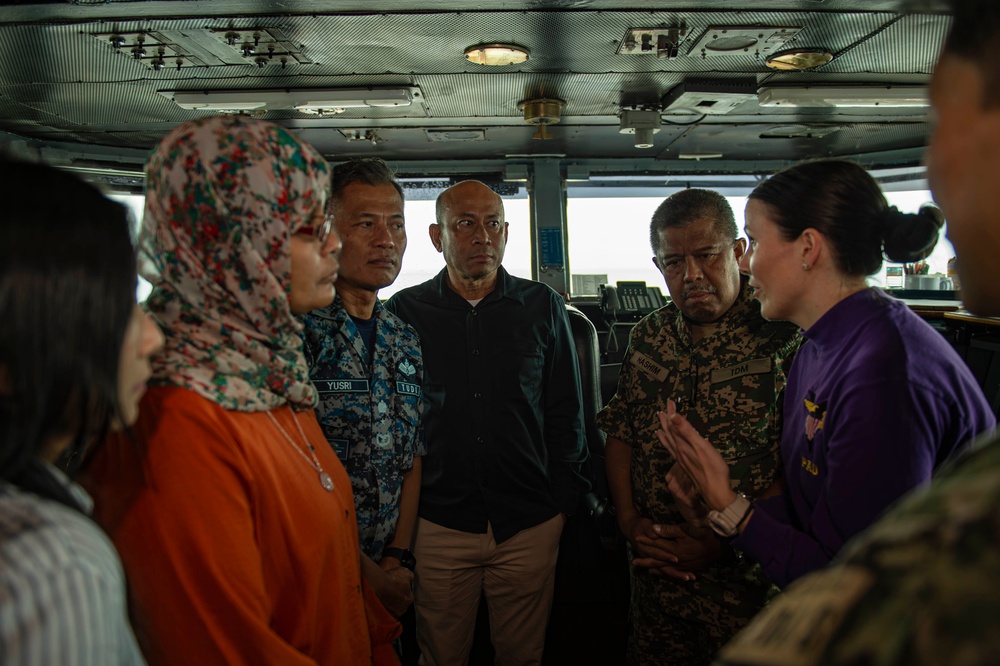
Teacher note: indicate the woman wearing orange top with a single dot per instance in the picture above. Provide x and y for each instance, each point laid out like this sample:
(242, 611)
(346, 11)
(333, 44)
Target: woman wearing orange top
(234, 519)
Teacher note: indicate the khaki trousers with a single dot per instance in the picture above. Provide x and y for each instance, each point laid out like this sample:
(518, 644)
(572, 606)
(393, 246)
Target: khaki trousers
(517, 577)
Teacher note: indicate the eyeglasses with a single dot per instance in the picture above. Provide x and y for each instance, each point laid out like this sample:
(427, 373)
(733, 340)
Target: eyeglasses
(322, 232)
(677, 264)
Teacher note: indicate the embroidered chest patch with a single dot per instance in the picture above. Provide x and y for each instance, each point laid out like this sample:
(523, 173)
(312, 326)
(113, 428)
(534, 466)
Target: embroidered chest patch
(815, 413)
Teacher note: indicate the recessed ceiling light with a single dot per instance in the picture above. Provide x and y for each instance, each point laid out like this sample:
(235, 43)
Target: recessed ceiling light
(321, 101)
(496, 55)
(797, 60)
(887, 96)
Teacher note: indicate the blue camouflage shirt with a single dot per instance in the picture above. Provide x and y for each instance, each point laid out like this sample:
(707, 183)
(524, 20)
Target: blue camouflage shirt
(371, 416)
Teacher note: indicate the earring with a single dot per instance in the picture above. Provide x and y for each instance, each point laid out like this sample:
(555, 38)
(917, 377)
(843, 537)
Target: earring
(806, 267)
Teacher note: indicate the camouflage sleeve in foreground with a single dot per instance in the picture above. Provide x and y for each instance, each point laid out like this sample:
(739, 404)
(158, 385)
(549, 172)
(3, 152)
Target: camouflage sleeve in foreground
(921, 586)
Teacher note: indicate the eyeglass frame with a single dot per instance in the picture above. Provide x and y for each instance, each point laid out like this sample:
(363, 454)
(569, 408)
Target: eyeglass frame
(321, 233)
(680, 267)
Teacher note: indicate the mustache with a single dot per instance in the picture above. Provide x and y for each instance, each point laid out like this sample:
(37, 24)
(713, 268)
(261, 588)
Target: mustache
(698, 289)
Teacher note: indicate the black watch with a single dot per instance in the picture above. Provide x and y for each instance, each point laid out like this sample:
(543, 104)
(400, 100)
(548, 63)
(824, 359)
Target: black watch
(404, 556)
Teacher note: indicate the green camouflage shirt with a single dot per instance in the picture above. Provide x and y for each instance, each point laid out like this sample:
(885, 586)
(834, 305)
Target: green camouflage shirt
(921, 586)
(729, 385)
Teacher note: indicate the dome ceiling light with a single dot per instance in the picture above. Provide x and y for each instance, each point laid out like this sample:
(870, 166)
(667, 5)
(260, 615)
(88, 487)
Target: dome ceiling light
(798, 60)
(496, 55)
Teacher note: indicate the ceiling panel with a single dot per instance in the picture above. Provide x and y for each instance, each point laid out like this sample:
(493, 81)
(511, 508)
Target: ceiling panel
(60, 83)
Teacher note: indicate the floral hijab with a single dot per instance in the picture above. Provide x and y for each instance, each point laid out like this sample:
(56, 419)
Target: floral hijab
(223, 197)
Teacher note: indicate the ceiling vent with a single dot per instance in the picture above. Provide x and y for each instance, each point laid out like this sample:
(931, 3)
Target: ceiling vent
(456, 135)
(759, 41)
(710, 98)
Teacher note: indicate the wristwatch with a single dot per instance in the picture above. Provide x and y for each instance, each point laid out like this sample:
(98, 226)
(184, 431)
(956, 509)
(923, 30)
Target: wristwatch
(404, 556)
(726, 523)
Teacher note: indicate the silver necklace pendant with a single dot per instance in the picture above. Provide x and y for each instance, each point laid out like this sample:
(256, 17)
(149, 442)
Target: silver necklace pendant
(326, 482)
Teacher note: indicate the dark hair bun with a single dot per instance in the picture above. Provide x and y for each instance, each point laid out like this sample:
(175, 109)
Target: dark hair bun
(909, 237)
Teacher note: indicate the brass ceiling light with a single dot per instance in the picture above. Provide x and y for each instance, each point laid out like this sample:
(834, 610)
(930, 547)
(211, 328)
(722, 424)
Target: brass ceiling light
(798, 60)
(496, 55)
(541, 112)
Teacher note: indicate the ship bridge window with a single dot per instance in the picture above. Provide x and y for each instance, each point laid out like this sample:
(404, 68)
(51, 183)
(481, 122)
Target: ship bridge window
(420, 261)
(608, 222)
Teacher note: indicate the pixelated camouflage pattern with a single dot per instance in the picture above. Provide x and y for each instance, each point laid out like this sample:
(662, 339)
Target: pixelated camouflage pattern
(371, 417)
(729, 385)
(921, 586)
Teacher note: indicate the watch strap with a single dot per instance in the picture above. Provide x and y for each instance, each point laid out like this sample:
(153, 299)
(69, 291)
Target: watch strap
(726, 523)
(404, 555)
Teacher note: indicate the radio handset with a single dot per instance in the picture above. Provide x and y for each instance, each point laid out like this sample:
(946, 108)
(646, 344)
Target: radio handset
(610, 305)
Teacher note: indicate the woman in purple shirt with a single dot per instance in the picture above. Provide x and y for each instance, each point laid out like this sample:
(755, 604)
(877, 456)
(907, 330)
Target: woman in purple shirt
(876, 399)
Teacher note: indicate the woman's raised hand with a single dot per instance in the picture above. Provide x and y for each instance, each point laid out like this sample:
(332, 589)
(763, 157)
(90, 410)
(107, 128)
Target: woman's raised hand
(705, 468)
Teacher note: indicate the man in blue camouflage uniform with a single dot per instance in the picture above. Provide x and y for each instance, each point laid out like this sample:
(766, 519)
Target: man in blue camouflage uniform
(922, 585)
(712, 352)
(366, 365)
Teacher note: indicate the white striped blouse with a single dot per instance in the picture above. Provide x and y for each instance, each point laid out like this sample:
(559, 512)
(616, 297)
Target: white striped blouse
(62, 589)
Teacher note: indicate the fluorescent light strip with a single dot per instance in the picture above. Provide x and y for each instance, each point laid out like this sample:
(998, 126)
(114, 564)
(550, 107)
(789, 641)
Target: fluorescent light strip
(845, 96)
(302, 100)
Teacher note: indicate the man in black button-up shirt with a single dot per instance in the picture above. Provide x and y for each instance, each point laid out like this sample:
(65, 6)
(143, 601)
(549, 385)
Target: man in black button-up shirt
(505, 443)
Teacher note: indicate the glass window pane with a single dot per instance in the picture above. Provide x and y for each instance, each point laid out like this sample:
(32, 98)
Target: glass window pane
(421, 261)
(910, 202)
(611, 236)
(135, 204)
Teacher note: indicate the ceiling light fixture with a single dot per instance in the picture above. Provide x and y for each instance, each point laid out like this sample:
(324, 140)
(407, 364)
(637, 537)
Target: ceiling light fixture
(845, 96)
(308, 101)
(797, 60)
(643, 123)
(697, 157)
(542, 112)
(496, 55)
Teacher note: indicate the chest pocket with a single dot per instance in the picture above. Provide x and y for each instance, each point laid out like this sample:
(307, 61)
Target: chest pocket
(407, 425)
(644, 423)
(743, 396)
(519, 370)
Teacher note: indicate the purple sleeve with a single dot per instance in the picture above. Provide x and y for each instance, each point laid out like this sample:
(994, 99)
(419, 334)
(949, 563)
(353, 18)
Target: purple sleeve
(881, 441)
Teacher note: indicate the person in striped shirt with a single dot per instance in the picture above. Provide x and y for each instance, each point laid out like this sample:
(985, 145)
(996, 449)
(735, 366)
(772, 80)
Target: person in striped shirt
(74, 359)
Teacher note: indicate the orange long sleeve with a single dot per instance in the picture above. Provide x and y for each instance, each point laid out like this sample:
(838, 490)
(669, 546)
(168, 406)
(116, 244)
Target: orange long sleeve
(234, 552)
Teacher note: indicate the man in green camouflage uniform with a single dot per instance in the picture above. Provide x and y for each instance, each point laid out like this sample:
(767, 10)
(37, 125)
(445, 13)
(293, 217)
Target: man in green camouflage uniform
(713, 353)
(922, 585)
